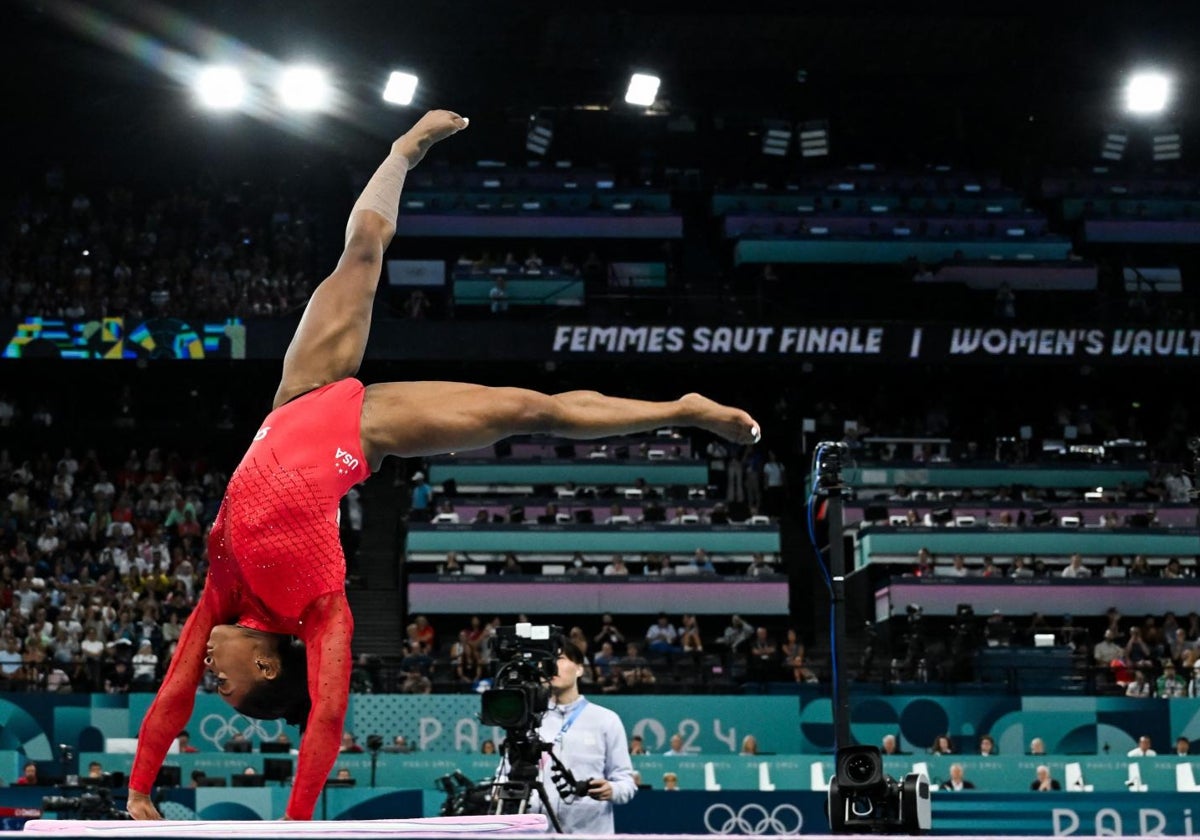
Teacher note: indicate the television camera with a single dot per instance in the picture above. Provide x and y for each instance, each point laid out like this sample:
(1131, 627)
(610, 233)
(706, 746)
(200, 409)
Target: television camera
(517, 702)
(864, 800)
(88, 802)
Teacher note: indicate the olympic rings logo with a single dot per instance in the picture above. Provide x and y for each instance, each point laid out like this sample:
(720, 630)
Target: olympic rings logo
(753, 819)
(217, 730)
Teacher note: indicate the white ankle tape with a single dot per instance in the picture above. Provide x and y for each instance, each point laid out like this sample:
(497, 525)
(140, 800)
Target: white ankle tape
(382, 193)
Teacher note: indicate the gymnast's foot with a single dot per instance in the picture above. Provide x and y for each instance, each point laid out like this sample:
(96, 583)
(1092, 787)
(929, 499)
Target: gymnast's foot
(434, 126)
(730, 423)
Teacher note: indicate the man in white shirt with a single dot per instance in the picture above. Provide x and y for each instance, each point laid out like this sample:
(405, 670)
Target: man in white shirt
(956, 780)
(676, 745)
(1143, 748)
(1076, 569)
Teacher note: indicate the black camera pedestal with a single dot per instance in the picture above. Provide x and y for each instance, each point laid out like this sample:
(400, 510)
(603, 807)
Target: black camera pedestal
(862, 799)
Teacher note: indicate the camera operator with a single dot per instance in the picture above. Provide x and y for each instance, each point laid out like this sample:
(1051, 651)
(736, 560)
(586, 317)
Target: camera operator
(590, 742)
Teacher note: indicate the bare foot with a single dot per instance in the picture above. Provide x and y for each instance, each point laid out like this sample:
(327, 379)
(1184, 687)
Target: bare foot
(434, 126)
(730, 423)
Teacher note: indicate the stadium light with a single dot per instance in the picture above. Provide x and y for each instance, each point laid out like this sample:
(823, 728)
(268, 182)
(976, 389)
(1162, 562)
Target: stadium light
(1147, 93)
(540, 136)
(304, 88)
(643, 89)
(220, 88)
(401, 87)
(814, 138)
(777, 137)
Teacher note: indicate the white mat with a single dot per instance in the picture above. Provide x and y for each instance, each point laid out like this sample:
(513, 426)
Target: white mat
(520, 824)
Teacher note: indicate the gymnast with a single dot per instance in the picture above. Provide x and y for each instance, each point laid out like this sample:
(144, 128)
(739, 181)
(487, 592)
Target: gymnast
(273, 624)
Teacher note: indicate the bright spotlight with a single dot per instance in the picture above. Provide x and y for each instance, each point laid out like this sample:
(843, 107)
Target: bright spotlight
(401, 87)
(1147, 93)
(642, 89)
(220, 88)
(304, 88)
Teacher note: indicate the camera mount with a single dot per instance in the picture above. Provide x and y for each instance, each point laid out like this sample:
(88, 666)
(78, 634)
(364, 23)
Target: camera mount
(862, 798)
(517, 704)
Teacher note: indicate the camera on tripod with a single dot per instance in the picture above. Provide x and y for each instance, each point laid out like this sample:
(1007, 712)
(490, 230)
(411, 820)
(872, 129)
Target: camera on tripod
(864, 800)
(91, 803)
(520, 694)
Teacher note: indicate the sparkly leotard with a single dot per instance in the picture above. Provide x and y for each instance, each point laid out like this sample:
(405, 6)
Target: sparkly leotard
(276, 564)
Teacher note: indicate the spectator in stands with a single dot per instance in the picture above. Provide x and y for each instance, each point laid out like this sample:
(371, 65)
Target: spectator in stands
(1137, 651)
(749, 745)
(701, 563)
(416, 305)
(1140, 567)
(676, 745)
(794, 665)
(1182, 746)
(888, 745)
(987, 745)
(184, 741)
(718, 456)
(735, 636)
(603, 664)
(1076, 569)
(763, 656)
(1044, 781)
(774, 482)
(451, 566)
(1170, 684)
(1019, 569)
(609, 632)
(616, 566)
(29, 775)
(942, 745)
(422, 499)
(657, 565)
(1106, 650)
(662, 637)
(1143, 749)
(1173, 570)
(689, 635)
(1140, 687)
(670, 781)
(349, 744)
(488, 747)
(145, 667)
(759, 566)
(959, 568)
(498, 295)
(634, 669)
(956, 780)
(1037, 747)
(637, 745)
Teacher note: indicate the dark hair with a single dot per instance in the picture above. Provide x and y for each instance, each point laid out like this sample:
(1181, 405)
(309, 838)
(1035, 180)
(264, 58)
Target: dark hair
(570, 650)
(286, 696)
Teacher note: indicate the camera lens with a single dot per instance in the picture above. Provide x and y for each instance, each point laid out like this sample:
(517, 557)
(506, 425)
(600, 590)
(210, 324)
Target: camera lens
(860, 768)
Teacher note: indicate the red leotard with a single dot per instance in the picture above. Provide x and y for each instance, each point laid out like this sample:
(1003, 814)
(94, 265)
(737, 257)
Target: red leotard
(276, 564)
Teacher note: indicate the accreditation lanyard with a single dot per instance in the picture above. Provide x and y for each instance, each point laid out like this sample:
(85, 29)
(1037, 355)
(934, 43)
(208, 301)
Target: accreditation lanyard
(570, 721)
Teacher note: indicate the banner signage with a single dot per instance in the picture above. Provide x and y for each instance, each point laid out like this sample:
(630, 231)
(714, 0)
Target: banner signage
(422, 340)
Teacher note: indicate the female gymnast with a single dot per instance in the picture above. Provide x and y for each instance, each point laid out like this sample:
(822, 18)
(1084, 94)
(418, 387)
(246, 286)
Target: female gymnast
(273, 624)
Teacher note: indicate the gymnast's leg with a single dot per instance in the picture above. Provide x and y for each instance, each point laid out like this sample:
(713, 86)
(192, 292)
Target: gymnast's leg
(430, 418)
(332, 335)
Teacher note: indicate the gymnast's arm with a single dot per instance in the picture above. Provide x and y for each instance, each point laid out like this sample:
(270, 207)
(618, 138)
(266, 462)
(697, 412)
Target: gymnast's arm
(172, 707)
(329, 630)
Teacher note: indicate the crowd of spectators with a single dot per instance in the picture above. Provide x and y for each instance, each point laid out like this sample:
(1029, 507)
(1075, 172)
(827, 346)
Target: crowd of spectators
(211, 248)
(102, 562)
(666, 656)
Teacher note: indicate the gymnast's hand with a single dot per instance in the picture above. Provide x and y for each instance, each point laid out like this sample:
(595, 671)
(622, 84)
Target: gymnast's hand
(140, 807)
(434, 126)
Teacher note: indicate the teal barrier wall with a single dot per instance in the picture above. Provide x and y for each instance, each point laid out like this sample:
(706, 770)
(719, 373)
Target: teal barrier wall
(887, 251)
(656, 473)
(714, 725)
(549, 291)
(1058, 541)
(997, 476)
(674, 539)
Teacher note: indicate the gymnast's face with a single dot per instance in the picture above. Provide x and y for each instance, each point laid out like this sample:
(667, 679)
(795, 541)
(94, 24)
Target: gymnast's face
(240, 659)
